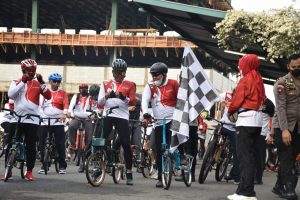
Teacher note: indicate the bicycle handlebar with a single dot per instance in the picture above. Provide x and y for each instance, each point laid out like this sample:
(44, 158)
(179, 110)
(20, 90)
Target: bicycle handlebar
(12, 112)
(216, 120)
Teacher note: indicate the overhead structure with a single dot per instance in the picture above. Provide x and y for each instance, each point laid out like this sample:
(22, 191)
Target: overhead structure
(197, 25)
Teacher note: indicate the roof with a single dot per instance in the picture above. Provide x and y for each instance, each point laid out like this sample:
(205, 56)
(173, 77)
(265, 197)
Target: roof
(197, 25)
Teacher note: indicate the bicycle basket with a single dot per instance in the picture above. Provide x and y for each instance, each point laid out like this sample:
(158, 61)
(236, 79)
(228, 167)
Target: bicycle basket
(98, 142)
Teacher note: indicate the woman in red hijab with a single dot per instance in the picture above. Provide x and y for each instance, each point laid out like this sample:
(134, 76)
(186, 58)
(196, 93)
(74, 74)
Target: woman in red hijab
(248, 97)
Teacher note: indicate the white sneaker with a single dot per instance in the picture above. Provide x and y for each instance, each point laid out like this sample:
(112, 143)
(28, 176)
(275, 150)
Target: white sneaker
(62, 171)
(240, 197)
(41, 171)
(155, 175)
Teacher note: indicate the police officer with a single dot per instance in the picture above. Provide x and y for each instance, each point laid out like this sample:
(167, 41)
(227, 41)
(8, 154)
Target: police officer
(286, 127)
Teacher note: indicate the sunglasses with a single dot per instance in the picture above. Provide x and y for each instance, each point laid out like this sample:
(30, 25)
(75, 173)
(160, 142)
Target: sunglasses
(119, 73)
(55, 81)
(155, 74)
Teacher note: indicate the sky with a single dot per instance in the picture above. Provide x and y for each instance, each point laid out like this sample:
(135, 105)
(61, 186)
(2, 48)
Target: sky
(259, 5)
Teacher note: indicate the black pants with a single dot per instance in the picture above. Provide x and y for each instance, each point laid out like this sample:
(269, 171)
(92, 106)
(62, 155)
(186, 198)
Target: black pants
(260, 157)
(122, 128)
(59, 136)
(191, 146)
(246, 139)
(287, 156)
(30, 133)
(158, 140)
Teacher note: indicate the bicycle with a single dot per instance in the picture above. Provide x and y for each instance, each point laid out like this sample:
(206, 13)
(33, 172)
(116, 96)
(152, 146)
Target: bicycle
(79, 142)
(103, 156)
(218, 152)
(17, 155)
(50, 153)
(141, 157)
(171, 163)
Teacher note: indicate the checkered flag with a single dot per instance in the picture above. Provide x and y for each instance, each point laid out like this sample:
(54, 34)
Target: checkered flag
(195, 94)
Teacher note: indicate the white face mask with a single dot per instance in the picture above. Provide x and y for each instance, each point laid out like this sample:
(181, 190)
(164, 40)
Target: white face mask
(158, 82)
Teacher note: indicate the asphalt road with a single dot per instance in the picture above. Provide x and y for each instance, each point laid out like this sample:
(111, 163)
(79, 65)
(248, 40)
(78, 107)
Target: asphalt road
(74, 186)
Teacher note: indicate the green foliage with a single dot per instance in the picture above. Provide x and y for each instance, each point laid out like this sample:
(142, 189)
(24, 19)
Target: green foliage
(276, 31)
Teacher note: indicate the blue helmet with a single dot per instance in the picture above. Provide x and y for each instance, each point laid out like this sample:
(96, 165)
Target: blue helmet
(55, 77)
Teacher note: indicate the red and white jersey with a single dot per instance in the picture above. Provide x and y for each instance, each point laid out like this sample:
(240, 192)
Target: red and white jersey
(127, 88)
(55, 107)
(26, 98)
(78, 110)
(91, 104)
(163, 99)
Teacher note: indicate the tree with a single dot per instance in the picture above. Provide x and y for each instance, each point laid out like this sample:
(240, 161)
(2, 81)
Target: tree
(276, 31)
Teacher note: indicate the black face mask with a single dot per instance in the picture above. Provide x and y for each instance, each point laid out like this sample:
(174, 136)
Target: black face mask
(296, 73)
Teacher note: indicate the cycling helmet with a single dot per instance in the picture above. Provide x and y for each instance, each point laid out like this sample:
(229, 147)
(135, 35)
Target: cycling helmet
(28, 64)
(159, 67)
(83, 86)
(119, 65)
(94, 90)
(55, 77)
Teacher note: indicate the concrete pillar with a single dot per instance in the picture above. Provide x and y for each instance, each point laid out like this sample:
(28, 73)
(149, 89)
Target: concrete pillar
(34, 23)
(113, 26)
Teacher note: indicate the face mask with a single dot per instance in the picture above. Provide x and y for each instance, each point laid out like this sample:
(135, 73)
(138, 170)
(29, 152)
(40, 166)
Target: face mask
(158, 82)
(296, 73)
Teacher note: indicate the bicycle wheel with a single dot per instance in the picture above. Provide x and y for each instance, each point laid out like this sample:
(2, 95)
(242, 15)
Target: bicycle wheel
(222, 166)
(95, 168)
(46, 160)
(23, 169)
(166, 171)
(208, 161)
(2, 143)
(118, 169)
(10, 163)
(79, 152)
(146, 164)
(186, 171)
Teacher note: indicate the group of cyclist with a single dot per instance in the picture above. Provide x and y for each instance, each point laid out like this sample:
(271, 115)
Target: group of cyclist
(247, 135)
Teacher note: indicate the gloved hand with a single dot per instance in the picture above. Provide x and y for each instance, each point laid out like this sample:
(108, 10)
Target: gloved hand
(40, 78)
(147, 116)
(122, 96)
(25, 78)
(112, 94)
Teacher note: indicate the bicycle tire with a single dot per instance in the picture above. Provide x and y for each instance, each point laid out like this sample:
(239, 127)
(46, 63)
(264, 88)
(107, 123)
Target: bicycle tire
(118, 167)
(146, 164)
(186, 171)
(167, 171)
(10, 163)
(207, 162)
(95, 169)
(222, 166)
(2, 144)
(23, 169)
(79, 152)
(46, 160)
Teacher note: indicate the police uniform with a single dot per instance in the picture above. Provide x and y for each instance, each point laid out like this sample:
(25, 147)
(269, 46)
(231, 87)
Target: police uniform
(287, 116)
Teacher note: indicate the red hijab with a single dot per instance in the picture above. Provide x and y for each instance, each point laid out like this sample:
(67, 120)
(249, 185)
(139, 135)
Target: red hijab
(248, 65)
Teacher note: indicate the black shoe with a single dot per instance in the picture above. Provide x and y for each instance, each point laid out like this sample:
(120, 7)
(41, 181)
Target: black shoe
(289, 192)
(228, 178)
(159, 184)
(278, 189)
(183, 160)
(179, 178)
(129, 180)
(81, 169)
(193, 179)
